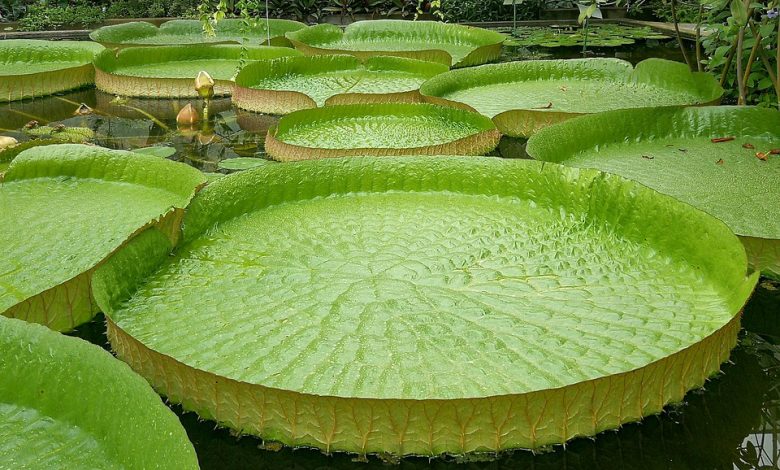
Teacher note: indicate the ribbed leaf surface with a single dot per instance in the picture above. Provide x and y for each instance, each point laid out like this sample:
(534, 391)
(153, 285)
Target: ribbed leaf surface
(66, 208)
(31, 68)
(289, 84)
(671, 150)
(170, 71)
(380, 129)
(525, 96)
(450, 44)
(428, 305)
(65, 403)
(179, 32)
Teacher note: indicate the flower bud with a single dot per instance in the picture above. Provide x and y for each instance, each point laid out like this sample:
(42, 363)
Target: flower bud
(204, 85)
(188, 115)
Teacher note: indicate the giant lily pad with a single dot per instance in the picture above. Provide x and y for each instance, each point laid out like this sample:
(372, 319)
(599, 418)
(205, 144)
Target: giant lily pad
(65, 209)
(428, 305)
(30, 68)
(523, 97)
(449, 44)
(380, 129)
(181, 32)
(671, 150)
(65, 403)
(170, 71)
(294, 83)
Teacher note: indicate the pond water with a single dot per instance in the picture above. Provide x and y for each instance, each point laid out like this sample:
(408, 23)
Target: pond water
(135, 123)
(733, 423)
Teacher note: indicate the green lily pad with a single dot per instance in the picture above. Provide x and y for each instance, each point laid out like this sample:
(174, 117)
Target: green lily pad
(182, 32)
(523, 97)
(242, 163)
(170, 71)
(211, 177)
(449, 44)
(380, 129)
(157, 151)
(428, 305)
(62, 134)
(671, 151)
(65, 403)
(293, 83)
(603, 35)
(65, 209)
(31, 68)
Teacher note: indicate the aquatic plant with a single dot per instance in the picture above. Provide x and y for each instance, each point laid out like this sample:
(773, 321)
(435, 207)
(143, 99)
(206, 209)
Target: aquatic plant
(606, 35)
(80, 203)
(449, 44)
(723, 160)
(523, 97)
(380, 129)
(170, 71)
(289, 84)
(65, 403)
(30, 68)
(181, 32)
(427, 305)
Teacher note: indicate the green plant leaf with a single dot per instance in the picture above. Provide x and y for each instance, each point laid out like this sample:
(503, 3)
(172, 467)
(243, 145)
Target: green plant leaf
(289, 84)
(670, 150)
(739, 11)
(65, 209)
(523, 97)
(31, 68)
(65, 403)
(242, 163)
(170, 71)
(157, 151)
(466, 300)
(181, 32)
(380, 129)
(450, 44)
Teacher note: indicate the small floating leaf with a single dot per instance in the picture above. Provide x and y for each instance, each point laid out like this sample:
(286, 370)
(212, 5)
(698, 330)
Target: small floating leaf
(242, 163)
(157, 151)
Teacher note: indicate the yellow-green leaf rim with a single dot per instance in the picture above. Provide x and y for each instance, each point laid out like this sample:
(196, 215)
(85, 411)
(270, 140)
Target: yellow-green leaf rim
(523, 97)
(68, 207)
(671, 150)
(31, 68)
(293, 83)
(170, 71)
(428, 305)
(183, 32)
(450, 44)
(384, 129)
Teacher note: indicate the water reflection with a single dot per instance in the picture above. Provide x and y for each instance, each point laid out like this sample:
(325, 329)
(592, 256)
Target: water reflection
(128, 124)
